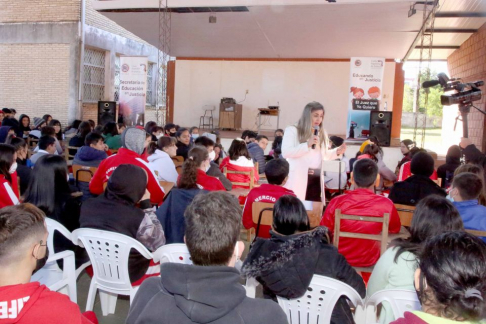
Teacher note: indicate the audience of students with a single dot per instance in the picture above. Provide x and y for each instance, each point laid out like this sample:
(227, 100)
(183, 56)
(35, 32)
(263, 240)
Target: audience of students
(183, 142)
(111, 136)
(433, 216)
(134, 142)
(373, 152)
(213, 170)
(219, 153)
(194, 172)
(93, 151)
(50, 131)
(478, 170)
(24, 170)
(160, 161)
(239, 159)
(286, 263)
(450, 281)
(72, 129)
(116, 210)
(194, 131)
(24, 125)
(78, 140)
(419, 185)
(9, 194)
(170, 130)
(277, 173)
(445, 172)
(56, 124)
(276, 151)
(405, 146)
(405, 170)
(248, 136)
(38, 124)
(209, 291)
(46, 145)
(465, 190)
(364, 202)
(257, 151)
(23, 237)
(47, 118)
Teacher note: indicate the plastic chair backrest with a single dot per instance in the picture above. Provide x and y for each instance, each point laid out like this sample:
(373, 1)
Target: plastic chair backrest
(316, 305)
(109, 252)
(262, 214)
(400, 300)
(174, 253)
(250, 174)
(83, 173)
(52, 227)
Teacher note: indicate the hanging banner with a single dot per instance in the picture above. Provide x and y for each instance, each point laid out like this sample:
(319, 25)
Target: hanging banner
(133, 89)
(366, 78)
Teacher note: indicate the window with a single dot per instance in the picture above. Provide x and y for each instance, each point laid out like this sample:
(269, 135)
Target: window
(93, 75)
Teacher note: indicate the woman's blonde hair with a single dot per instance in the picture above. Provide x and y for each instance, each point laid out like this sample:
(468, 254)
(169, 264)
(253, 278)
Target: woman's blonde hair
(304, 125)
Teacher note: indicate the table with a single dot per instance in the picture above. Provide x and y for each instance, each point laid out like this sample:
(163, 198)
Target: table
(267, 112)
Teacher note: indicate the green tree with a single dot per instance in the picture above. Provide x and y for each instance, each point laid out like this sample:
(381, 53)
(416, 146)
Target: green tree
(434, 107)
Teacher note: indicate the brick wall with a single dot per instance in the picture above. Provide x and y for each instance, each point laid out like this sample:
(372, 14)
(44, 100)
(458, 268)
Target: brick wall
(34, 79)
(469, 63)
(15, 11)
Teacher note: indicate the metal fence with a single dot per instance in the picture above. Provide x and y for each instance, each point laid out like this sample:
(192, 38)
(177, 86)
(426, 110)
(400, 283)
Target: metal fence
(93, 75)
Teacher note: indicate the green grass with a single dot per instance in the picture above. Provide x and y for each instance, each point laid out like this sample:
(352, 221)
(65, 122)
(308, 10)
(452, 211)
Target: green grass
(433, 138)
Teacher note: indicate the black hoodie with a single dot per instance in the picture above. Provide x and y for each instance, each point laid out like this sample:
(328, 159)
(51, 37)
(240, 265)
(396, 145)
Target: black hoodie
(285, 265)
(187, 294)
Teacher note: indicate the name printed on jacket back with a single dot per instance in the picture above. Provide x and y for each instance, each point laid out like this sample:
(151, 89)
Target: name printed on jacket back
(260, 198)
(11, 309)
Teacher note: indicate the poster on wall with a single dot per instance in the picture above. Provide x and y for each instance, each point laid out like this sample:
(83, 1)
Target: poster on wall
(133, 89)
(365, 88)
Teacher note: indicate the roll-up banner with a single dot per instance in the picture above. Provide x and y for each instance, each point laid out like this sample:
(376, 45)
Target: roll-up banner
(133, 89)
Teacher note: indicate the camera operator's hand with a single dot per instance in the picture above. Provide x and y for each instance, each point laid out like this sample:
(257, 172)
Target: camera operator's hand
(465, 142)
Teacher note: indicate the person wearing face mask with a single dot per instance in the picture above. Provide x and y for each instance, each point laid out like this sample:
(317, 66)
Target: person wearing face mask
(213, 170)
(170, 130)
(23, 236)
(450, 281)
(194, 131)
(194, 172)
(209, 290)
(159, 158)
(24, 170)
(9, 193)
(156, 132)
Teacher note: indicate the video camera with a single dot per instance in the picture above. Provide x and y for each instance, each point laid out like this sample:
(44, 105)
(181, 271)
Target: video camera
(466, 92)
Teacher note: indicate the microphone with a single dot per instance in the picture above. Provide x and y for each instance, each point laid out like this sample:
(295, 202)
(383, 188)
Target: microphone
(316, 132)
(430, 83)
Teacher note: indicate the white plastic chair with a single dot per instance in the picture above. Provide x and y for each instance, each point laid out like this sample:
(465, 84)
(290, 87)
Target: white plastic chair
(250, 287)
(63, 281)
(109, 252)
(318, 302)
(400, 300)
(174, 253)
(52, 227)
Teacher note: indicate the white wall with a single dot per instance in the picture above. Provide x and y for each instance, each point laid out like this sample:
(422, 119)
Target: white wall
(291, 84)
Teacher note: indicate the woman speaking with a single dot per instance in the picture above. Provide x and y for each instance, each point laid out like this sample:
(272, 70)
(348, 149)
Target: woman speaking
(306, 146)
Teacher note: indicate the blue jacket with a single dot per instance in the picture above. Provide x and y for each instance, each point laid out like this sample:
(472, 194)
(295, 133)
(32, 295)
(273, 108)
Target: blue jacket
(473, 215)
(257, 154)
(88, 156)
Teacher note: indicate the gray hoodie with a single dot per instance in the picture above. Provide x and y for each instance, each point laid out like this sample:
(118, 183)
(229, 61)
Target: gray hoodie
(187, 294)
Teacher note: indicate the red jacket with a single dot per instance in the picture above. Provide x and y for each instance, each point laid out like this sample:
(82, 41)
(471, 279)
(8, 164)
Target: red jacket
(33, 303)
(237, 177)
(207, 182)
(405, 172)
(411, 318)
(9, 192)
(362, 202)
(125, 156)
(266, 193)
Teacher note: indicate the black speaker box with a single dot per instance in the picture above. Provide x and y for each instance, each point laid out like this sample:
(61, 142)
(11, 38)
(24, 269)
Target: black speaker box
(380, 126)
(106, 112)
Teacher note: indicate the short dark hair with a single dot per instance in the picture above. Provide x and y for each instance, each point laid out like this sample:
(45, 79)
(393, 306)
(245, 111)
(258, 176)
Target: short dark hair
(468, 184)
(238, 148)
(93, 138)
(260, 137)
(169, 126)
(192, 129)
(13, 110)
(422, 164)
(249, 134)
(278, 130)
(451, 264)
(149, 125)
(365, 172)
(290, 216)
(276, 171)
(204, 141)
(48, 130)
(372, 150)
(19, 224)
(45, 141)
(212, 228)
(84, 128)
(180, 131)
(110, 128)
(18, 143)
(6, 111)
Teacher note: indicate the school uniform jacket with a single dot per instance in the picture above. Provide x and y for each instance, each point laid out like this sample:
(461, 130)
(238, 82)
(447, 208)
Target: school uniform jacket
(9, 193)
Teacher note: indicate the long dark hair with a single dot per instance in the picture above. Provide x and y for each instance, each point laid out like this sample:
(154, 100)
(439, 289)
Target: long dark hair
(196, 156)
(75, 124)
(84, 129)
(238, 148)
(161, 143)
(110, 128)
(18, 143)
(433, 215)
(290, 216)
(372, 150)
(55, 122)
(48, 183)
(7, 153)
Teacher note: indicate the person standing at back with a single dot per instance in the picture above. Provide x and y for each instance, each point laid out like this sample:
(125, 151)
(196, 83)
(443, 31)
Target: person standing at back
(209, 290)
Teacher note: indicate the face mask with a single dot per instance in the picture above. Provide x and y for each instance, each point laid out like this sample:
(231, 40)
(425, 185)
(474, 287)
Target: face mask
(13, 168)
(194, 136)
(172, 134)
(159, 136)
(448, 197)
(41, 262)
(212, 155)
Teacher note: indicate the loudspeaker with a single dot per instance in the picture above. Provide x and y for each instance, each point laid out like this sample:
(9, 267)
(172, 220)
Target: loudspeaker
(380, 126)
(106, 112)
